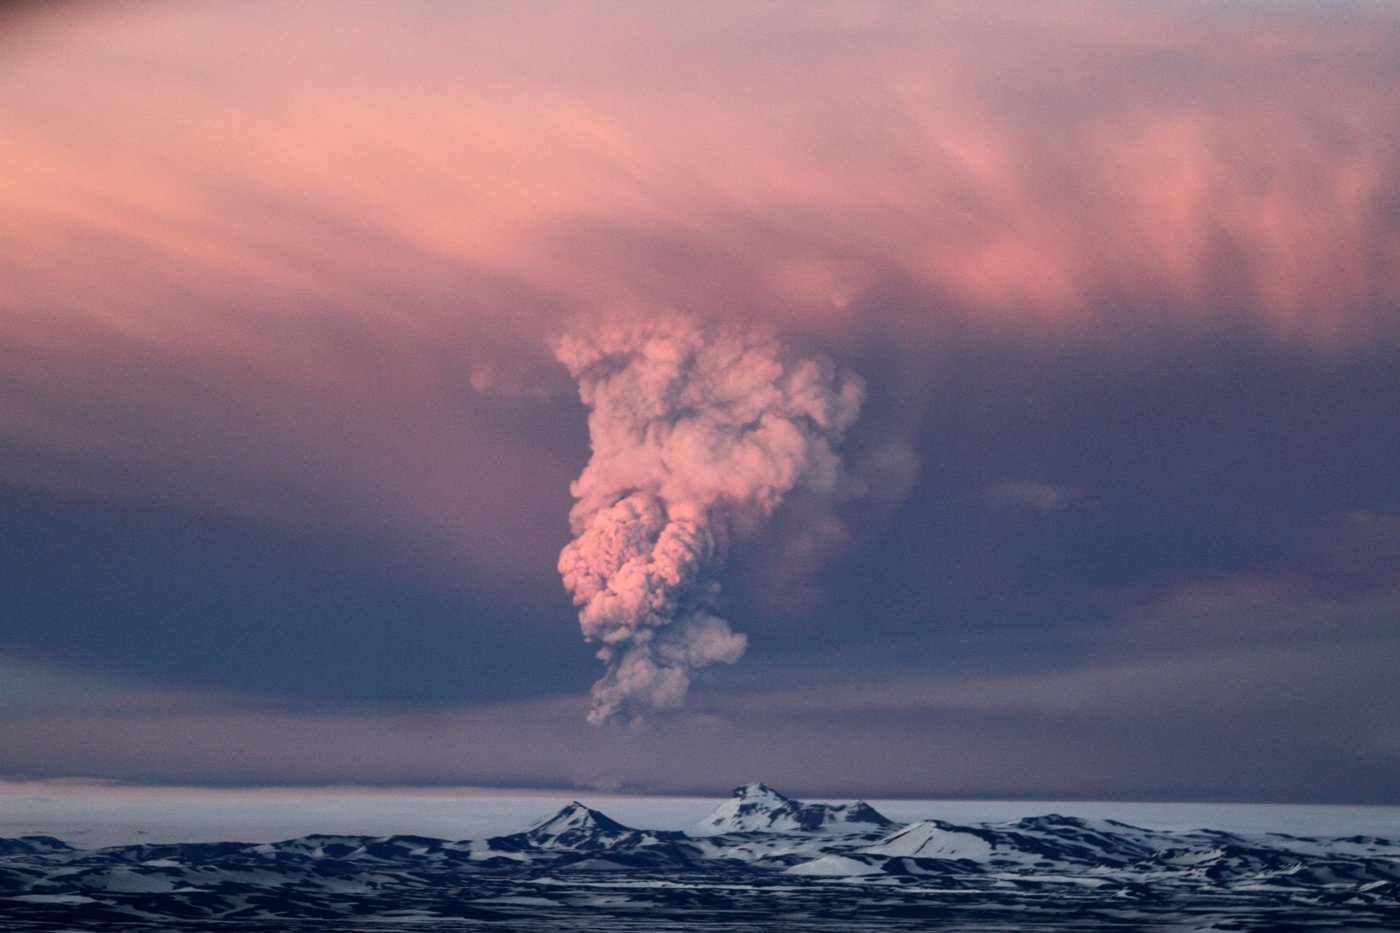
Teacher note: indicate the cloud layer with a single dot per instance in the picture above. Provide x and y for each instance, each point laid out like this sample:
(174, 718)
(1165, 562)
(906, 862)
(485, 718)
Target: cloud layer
(292, 330)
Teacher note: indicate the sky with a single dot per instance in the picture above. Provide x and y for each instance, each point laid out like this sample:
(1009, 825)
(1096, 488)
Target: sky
(1001, 399)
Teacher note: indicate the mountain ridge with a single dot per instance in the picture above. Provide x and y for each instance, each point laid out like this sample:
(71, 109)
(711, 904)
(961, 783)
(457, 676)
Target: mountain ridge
(760, 808)
(760, 855)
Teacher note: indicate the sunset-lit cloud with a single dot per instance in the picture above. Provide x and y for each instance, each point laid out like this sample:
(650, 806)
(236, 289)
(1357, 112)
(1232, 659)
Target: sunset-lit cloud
(184, 197)
(286, 282)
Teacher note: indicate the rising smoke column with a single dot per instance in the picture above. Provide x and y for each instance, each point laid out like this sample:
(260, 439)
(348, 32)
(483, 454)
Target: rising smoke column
(698, 432)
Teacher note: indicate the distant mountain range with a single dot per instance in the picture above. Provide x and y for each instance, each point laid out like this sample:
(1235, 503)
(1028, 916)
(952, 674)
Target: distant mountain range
(761, 860)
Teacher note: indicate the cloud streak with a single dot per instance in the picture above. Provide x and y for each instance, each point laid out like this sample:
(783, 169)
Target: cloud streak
(1316, 732)
(169, 210)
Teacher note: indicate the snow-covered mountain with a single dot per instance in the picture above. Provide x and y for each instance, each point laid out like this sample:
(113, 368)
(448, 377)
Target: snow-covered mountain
(759, 808)
(760, 860)
(577, 827)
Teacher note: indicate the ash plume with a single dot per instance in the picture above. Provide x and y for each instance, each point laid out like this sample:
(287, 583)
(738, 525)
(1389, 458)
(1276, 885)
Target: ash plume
(698, 431)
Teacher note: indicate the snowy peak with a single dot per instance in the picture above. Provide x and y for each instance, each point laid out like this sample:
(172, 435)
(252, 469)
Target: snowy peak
(751, 808)
(760, 808)
(760, 794)
(578, 828)
(576, 818)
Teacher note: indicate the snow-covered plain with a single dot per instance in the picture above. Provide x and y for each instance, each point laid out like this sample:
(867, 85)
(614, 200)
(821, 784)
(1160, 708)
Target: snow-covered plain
(87, 815)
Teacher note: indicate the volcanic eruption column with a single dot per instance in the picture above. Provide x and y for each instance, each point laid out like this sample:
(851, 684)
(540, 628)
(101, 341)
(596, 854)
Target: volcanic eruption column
(698, 431)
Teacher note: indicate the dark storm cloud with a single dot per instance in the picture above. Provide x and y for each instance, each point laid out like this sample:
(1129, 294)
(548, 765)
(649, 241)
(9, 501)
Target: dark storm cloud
(199, 602)
(1204, 457)
(1274, 724)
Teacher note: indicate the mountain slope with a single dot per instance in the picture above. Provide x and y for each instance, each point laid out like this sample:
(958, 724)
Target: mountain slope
(759, 808)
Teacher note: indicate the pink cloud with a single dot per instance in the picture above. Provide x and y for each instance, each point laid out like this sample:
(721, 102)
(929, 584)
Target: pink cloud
(333, 263)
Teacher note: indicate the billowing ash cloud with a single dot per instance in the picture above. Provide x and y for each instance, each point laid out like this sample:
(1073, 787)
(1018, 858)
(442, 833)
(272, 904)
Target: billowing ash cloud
(698, 432)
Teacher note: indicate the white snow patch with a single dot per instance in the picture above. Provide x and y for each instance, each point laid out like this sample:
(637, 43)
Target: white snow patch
(834, 866)
(929, 840)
